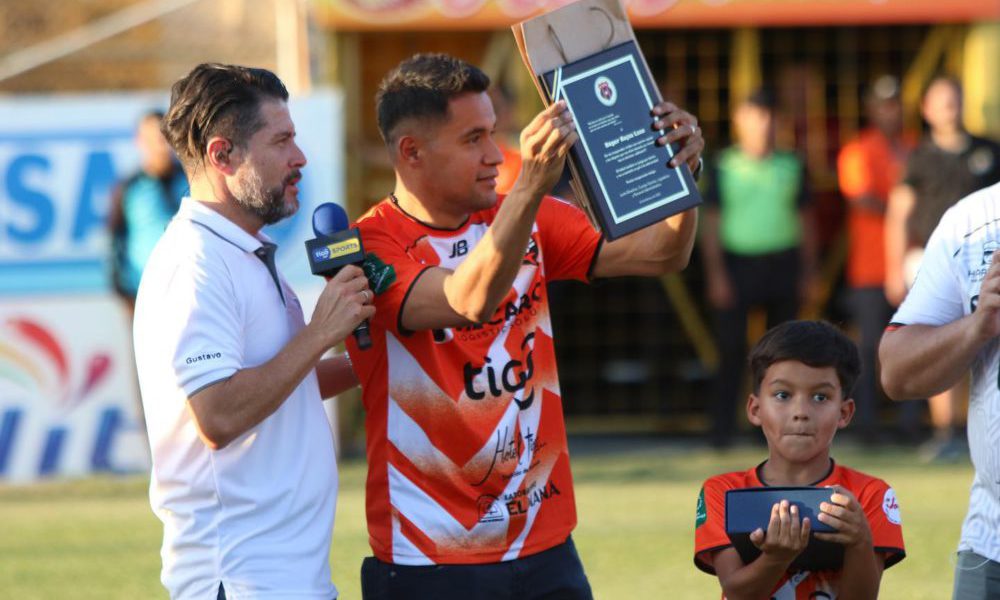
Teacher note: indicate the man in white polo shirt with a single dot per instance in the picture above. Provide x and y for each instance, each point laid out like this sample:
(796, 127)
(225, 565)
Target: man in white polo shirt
(949, 323)
(244, 475)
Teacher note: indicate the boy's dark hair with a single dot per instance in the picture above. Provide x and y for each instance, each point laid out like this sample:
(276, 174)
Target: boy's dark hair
(217, 100)
(762, 98)
(814, 343)
(421, 86)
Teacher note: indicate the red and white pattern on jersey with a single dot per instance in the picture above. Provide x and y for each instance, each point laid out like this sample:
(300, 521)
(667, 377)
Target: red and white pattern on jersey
(466, 440)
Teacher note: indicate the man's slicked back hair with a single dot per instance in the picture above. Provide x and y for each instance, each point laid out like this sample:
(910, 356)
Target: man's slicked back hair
(814, 343)
(420, 88)
(217, 100)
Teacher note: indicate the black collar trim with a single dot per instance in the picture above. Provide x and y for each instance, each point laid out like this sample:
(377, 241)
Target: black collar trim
(759, 470)
(395, 202)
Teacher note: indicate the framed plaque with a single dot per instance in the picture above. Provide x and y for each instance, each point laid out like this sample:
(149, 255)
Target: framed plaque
(621, 168)
(586, 54)
(748, 509)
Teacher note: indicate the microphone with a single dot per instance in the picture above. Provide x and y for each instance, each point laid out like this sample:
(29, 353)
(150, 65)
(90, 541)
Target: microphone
(329, 218)
(335, 246)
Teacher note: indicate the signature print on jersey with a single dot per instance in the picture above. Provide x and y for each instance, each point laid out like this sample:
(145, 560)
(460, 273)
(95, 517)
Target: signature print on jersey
(511, 449)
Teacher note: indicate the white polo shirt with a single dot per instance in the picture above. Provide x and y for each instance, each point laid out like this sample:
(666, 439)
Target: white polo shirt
(957, 258)
(257, 515)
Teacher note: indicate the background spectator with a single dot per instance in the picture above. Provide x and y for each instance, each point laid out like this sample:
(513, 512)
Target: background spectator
(948, 165)
(758, 249)
(868, 168)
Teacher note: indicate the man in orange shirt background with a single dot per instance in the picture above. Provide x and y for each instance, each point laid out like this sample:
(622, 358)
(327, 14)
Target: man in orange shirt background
(868, 169)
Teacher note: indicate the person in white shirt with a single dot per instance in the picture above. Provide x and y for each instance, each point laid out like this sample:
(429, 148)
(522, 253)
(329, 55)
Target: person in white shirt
(949, 323)
(244, 476)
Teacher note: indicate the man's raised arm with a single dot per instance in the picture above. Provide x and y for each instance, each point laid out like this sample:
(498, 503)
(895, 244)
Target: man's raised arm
(472, 293)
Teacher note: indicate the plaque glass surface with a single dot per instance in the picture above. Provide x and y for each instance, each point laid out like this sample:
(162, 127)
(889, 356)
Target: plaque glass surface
(623, 170)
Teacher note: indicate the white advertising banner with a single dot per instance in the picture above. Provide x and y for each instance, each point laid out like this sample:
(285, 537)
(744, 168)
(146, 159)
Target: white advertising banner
(68, 401)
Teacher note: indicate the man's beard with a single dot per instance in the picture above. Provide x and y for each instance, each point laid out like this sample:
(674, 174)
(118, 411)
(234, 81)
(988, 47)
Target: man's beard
(268, 205)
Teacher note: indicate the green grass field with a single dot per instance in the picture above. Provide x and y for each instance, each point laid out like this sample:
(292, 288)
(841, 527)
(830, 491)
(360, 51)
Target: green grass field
(98, 539)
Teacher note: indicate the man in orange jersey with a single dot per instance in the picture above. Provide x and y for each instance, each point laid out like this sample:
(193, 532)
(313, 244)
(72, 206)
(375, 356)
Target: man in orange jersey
(803, 372)
(469, 490)
(868, 168)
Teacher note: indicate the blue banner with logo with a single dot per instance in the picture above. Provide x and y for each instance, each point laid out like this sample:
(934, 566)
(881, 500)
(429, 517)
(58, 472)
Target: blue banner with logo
(60, 158)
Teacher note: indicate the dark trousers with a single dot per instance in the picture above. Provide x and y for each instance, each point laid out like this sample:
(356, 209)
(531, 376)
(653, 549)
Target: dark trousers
(768, 281)
(554, 574)
(871, 313)
(976, 578)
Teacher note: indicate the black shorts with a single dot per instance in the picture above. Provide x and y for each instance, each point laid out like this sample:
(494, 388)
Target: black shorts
(553, 574)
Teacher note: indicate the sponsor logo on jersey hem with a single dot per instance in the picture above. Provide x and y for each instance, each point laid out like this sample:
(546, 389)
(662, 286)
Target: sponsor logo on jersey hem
(489, 509)
(518, 503)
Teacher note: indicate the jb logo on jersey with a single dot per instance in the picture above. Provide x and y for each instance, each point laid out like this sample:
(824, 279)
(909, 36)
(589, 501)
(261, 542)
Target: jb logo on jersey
(459, 248)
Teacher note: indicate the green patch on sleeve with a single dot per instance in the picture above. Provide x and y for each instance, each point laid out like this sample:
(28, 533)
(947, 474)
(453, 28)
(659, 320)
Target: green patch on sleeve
(380, 275)
(701, 513)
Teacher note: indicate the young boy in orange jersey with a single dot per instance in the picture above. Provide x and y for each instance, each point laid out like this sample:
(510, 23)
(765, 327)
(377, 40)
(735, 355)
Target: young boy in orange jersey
(803, 373)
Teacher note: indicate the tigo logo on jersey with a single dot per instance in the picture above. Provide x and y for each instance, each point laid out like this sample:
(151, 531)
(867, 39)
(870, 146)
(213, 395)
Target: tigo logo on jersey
(891, 508)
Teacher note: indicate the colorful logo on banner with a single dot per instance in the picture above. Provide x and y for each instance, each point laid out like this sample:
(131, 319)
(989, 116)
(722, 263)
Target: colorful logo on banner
(35, 364)
(38, 364)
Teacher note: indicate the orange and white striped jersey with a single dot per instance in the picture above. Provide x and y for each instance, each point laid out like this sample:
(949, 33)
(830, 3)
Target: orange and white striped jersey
(467, 457)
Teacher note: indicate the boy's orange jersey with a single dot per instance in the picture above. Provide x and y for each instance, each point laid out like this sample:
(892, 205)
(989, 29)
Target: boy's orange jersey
(467, 458)
(876, 497)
